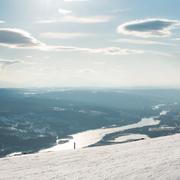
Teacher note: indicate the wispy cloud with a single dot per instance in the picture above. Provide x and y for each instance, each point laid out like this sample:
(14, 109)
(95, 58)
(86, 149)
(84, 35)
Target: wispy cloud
(64, 11)
(176, 39)
(105, 51)
(115, 11)
(16, 38)
(76, 0)
(143, 42)
(4, 63)
(149, 27)
(2, 22)
(65, 35)
(78, 19)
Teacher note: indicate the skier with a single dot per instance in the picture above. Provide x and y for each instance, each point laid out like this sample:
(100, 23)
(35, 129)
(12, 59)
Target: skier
(74, 145)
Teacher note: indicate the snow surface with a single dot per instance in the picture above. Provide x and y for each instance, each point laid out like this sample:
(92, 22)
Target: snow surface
(163, 113)
(130, 137)
(146, 159)
(156, 107)
(91, 137)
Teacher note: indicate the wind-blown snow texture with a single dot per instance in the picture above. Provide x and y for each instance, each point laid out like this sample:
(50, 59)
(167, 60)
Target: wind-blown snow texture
(147, 159)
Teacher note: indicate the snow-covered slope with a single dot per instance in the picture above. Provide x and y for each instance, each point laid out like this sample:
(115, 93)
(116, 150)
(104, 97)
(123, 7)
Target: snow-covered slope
(147, 159)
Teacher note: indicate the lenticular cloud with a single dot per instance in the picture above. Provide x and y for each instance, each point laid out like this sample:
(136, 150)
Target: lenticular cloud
(148, 28)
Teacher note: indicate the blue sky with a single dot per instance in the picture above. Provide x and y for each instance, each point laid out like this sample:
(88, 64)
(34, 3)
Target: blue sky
(89, 43)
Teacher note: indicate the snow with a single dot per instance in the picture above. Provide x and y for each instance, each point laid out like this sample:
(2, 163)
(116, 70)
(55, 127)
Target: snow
(90, 137)
(87, 138)
(156, 107)
(130, 137)
(162, 128)
(163, 113)
(146, 159)
(15, 154)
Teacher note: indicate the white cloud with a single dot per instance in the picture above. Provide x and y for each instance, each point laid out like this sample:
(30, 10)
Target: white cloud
(104, 51)
(47, 21)
(4, 63)
(29, 56)
(78, 19)
(7, 61)
(75, 0)
(64, 11)
(148, 27)
(1, 22)
(65, 35)
(143, 42)
(16, 38)
(176, 39)
(120, 10)
(114, 51)
(159, 53)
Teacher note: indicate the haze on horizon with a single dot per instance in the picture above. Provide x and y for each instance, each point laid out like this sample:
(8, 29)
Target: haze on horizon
(89, 43)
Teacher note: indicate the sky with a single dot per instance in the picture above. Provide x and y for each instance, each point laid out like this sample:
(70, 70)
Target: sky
(89, 43)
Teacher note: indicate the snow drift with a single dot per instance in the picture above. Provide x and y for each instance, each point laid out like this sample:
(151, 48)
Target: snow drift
(146, 159)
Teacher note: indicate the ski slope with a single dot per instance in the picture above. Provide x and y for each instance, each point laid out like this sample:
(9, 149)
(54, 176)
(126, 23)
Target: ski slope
(146, 159)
